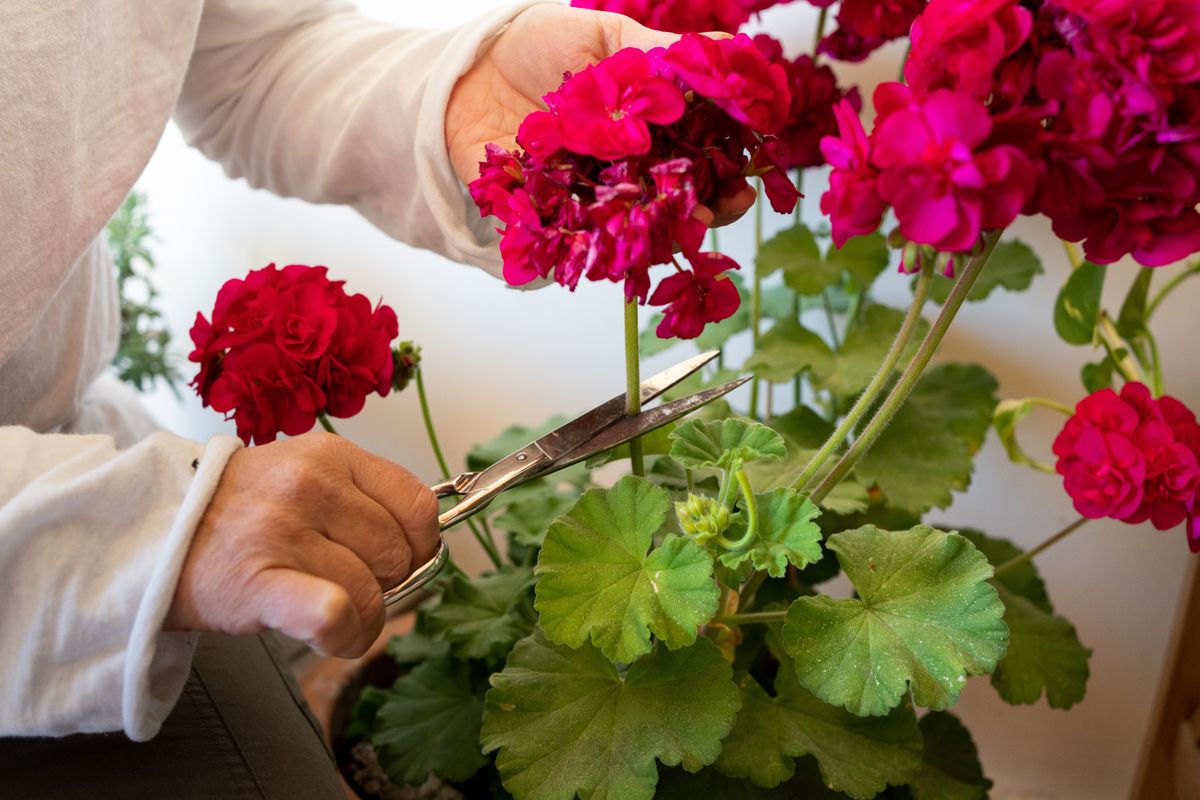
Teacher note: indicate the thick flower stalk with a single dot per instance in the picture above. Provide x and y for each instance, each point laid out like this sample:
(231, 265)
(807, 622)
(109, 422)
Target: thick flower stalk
(1133, 457)
(288, 346)
(609, 180)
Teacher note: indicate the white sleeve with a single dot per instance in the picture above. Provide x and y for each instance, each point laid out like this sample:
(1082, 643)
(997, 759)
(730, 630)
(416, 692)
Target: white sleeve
(92, 540)
(309, 99)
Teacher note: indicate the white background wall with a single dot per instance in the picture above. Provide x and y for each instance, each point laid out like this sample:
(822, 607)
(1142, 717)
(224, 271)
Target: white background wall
(494, 357)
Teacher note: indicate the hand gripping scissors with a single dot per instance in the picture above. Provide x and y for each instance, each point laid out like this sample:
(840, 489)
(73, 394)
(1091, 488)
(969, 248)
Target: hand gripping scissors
(600, 429)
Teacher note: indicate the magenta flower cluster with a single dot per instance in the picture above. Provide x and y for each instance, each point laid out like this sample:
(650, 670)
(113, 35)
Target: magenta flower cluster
(609, 180)
(1134, 458)
(1085, 110)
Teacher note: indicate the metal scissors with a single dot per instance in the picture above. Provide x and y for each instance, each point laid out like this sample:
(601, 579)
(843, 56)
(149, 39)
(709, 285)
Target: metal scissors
(602, 428)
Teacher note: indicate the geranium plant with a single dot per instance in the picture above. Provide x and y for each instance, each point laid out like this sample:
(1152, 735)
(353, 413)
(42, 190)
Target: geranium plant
(670, 632)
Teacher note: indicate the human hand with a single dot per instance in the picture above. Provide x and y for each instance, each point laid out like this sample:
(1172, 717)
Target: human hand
(302, 536)
(526, 62)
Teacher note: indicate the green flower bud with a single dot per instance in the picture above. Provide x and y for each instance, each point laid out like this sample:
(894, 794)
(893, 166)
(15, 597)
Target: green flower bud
(405, 358)
(702, 518)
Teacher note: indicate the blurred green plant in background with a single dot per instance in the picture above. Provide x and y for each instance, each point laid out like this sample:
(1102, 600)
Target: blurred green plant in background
(143, 355)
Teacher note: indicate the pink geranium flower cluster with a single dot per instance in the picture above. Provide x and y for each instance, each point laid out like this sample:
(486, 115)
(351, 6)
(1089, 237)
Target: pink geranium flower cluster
(1086, 111)
(684, 16)
(1134, 458)
(863, 26)
(608, 181)
(815, 93)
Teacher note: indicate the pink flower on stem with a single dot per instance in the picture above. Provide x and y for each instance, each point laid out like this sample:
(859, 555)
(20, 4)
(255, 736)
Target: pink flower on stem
(608, 108)
(866, 25)
(960, 44)
(937, 171)
(1134, 458)
(697, 297)
(852, 203)
(734, 75)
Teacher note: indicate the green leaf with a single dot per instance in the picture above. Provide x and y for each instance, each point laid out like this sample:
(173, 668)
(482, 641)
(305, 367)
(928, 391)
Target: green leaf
(413, 648)
(1132, 320)
(362, 715)
(866, 344)
(786, 534)
(529, 517)
(597, 580)
(1005, 418)
(509, 441)
(1099, 375)
(950, 768)
(1013, 266)
(1022, 579)
(430, 722)
(679, 784)
(795, 251)
(723, 443)
(1078, 305)
(927, 451)
(483, 617)
(848, 497)
(787, 350)
(924, 619)
(565, 723)
(857, 755)
(804, 427)
(863, 258)
(1043, 653)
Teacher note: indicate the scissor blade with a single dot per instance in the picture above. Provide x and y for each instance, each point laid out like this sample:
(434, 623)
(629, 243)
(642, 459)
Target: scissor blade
(580, 430)
(629, 427)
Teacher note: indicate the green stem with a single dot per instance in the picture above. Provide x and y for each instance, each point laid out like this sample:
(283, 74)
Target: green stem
(751, 515)
(750, 588)
(1073, 254)
(1112, 342)
(822, 20)
(877, 384)
(633, 385)
(1170, 286)
(831, 319)
(756, 296)
(1028, 555)
(326, 424)
(764, 617)
(486, 542)
(912, 373)
(1156, 370)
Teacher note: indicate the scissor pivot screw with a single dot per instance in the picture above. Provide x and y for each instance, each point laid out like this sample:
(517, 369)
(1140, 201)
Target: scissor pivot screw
(522, 456)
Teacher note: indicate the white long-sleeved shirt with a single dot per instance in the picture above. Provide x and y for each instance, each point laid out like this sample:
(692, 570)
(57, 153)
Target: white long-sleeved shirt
(302, 97)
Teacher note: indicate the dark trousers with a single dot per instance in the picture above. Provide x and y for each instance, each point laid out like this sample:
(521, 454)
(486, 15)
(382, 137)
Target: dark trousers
(241, 730)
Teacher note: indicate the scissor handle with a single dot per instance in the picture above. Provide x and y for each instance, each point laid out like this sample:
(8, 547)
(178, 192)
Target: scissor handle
(431, 568)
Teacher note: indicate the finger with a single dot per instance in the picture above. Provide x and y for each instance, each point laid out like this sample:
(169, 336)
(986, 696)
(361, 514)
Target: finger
(411, 503)
(309, 608)
(316, 554)
(371, 533)
(730, 209)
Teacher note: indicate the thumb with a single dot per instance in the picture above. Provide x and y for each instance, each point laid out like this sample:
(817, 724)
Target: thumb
(634, 34)
(311, 609)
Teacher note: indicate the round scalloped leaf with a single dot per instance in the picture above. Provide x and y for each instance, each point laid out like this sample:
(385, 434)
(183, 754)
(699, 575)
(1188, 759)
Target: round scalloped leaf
(483, 617)
(925, 617)
(1045, 653)
(786, 534)
(860, 756)
(565, 723)
(599, 579)
(950, 768)
(721, 443)
(429, 723)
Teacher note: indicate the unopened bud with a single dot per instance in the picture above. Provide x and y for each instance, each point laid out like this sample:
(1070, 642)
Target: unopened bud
(405, 358)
